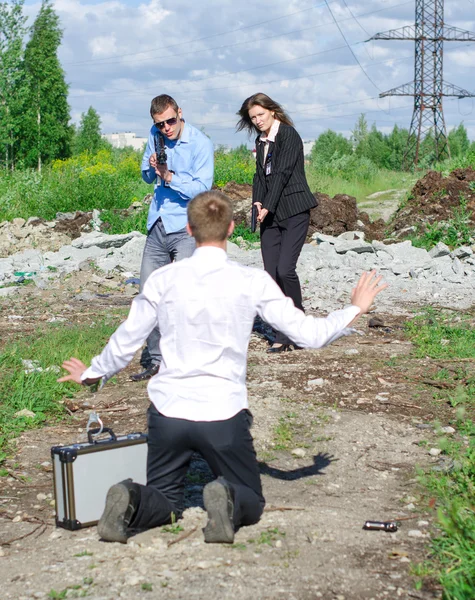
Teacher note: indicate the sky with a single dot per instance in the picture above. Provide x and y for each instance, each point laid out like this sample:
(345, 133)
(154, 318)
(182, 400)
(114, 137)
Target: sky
(210, 55)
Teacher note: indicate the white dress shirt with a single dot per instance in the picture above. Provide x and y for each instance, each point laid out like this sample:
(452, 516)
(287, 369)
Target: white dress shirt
(266, 139)
(205, 306)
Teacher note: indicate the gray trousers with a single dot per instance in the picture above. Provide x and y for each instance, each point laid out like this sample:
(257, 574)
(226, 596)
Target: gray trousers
(161, 248)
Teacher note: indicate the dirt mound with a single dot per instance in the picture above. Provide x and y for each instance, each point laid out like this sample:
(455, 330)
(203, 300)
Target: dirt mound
(334, 216)
(237, 191)
(435, 199)
(73, 224)
(241, 197)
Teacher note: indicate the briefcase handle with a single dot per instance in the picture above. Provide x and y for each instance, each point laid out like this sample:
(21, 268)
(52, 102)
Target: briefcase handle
(108, 430)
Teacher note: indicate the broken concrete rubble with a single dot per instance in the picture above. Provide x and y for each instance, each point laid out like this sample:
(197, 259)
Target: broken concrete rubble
(328, 267)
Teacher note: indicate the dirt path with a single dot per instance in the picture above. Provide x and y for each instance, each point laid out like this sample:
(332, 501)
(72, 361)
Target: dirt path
(338, 433)
(382, 205)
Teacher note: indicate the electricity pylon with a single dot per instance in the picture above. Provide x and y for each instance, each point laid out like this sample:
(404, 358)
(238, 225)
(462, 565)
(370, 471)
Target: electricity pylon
(428, 88)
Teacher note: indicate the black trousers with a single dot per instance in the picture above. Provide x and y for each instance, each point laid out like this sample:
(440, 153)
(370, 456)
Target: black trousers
(228, 448)
(281, 244)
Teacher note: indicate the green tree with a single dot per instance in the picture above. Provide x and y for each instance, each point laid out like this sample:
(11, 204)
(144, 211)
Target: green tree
(359, 135)
(459, 143)
(375, 147)
(46, 134)
(427, 151)
(328, 145)
(12, 32)
(397, 144)
(88, 135)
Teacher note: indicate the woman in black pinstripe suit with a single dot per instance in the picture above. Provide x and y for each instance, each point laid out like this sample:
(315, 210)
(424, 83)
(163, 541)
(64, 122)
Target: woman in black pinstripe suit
(281, 194)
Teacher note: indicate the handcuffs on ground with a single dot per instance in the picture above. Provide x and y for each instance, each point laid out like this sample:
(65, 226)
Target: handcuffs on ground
(94, 418)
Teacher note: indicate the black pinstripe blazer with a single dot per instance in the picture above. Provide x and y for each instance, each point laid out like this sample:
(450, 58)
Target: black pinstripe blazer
(285, 191)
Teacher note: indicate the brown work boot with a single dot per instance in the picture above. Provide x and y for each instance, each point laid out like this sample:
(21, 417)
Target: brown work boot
(218, 499)
(121, 505)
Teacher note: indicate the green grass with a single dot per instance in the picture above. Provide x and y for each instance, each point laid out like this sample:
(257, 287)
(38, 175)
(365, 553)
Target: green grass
(453, 549)
(353, 186)
(438, 335)
(118, 223)
(268, 537)
(111, 180)
(283, 433)
(238, 165)
(173, 528)
(241, 231)
(455, 232)
(107, 180)
(39, 392)
(452, 561)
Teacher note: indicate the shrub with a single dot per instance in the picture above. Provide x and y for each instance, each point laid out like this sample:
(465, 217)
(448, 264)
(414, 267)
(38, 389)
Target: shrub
(238, 165)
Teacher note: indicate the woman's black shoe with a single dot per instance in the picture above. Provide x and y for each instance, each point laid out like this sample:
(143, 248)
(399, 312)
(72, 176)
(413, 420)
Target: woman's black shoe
(147, 374)
(281, 348)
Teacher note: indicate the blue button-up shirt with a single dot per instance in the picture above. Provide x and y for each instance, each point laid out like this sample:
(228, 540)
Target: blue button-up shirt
(191, 157)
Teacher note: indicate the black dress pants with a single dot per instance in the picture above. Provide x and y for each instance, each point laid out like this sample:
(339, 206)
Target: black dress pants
(228, 448)
(281, 244)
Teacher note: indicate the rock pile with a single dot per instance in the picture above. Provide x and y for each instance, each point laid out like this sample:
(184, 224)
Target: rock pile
(50, 236)
(20, 234)
(328, 267)
(121, 253)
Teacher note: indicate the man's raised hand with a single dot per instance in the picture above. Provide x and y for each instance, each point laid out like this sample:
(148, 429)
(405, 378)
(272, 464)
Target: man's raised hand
(366, 290)
(76, 368)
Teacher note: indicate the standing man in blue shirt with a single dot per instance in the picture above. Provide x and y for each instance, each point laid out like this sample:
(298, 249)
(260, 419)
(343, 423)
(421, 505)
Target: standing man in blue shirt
(187, 172)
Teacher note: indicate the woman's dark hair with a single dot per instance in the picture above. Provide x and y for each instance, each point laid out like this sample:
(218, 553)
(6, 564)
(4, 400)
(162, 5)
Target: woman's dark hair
(263, 100)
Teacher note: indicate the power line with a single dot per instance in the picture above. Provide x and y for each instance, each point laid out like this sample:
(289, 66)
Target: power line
(100, 61)
(357, 22)
(319, 107)
(315, 108)
(228, 73)
(208, 37)
(239, 86)
(322, 118)
(349, 47)
(308, 120)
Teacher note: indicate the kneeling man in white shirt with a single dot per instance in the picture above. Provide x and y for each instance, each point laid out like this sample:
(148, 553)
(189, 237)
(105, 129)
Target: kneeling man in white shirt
(205, 306)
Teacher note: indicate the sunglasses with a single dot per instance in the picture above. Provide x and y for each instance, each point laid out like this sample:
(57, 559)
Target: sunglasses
(171, 122)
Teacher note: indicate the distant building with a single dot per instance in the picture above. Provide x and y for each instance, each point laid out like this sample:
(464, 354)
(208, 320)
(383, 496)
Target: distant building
(307, 147)
(122, 140)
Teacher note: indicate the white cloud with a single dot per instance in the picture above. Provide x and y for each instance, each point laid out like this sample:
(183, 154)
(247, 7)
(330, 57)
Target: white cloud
(463, 58)
(103, 45)
(213, 54)
(152, 13)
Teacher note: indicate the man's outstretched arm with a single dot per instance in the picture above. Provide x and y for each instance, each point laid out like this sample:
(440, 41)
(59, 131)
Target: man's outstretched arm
(311, 332)
(122, 345)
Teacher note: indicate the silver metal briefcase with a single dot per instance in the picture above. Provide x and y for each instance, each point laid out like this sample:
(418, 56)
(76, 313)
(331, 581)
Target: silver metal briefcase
(83, 474)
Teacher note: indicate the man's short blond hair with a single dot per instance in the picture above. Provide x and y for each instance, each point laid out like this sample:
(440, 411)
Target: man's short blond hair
(209, 215)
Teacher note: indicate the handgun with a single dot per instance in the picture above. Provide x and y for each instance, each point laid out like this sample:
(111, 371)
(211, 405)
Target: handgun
(160, 150)
(253, 218)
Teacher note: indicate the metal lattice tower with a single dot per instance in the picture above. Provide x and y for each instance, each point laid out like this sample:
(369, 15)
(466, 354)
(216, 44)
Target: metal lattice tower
(428, 88)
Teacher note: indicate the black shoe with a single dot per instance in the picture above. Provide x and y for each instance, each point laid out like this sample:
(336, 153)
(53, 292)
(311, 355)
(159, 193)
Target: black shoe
(281, 348)
(121, 504)
(218, 499)
(147, 374)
